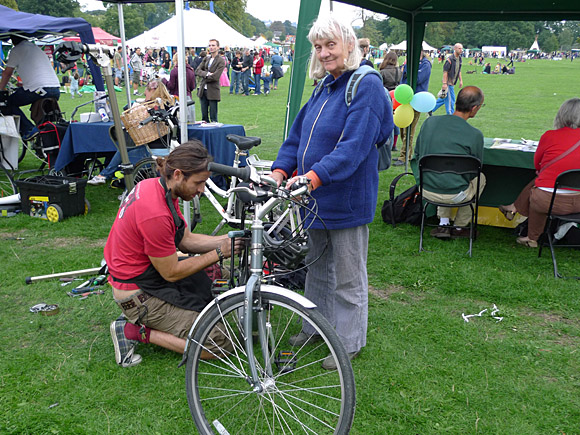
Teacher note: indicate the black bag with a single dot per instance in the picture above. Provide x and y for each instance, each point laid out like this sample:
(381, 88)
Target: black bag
(406, 207)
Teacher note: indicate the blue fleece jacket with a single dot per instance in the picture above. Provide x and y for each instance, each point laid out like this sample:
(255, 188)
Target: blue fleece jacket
(338, 143)
(423, 75)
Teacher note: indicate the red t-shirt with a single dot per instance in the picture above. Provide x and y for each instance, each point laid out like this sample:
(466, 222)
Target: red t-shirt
(143, 228)
(552, 144)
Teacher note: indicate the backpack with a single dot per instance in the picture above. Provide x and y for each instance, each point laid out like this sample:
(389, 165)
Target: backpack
(406, 207)
(351, 88)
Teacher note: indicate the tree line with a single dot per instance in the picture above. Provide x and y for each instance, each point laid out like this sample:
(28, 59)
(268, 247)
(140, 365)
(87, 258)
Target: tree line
(552, 35)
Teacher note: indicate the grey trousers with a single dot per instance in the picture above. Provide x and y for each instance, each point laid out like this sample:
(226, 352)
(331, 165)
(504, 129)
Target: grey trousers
(338, 284)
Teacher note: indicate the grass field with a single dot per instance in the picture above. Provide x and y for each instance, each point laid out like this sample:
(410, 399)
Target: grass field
(424, 369)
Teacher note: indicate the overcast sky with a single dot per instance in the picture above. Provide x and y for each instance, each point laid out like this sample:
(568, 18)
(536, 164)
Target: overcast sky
(271, 10)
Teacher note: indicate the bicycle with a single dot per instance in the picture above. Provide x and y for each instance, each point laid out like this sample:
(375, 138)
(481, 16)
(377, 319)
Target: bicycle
(259, 383)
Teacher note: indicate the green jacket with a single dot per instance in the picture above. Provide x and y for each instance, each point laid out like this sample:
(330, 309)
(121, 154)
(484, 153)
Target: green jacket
(447, 134)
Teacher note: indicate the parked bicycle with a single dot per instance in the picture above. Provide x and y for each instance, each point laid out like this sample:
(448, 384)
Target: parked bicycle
(259, 383)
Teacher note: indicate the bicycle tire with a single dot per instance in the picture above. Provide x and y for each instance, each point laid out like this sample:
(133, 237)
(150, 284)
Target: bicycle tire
(7, 185)
(22, 151)
(145, 168)
(307, 398)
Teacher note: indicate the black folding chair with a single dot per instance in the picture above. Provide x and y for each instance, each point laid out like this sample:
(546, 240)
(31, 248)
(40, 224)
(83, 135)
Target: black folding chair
(566, 180)
(454, 164)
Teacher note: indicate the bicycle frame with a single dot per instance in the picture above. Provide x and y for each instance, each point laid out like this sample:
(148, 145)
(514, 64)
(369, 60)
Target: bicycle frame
(252, 289)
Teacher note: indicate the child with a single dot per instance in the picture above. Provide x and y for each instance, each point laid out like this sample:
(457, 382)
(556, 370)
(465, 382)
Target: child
(74, 85)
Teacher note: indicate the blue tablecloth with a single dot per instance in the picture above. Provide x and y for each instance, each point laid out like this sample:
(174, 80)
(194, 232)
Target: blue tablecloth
(91, 138)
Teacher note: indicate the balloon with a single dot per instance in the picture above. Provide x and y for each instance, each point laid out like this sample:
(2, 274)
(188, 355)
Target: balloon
(404, 115)
(423, 102)
(394, 100)
(404, 94)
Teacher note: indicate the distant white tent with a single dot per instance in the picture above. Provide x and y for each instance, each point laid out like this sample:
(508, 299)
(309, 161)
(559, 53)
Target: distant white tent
(383, 46)
(260, 42)
(199, 27)
(535, 45)
(403, 46)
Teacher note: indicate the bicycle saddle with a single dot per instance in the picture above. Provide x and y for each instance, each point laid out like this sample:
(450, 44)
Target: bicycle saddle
(244, 142)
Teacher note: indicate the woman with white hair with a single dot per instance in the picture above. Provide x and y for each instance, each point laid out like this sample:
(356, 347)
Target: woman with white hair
(333, 145)
(558, 151)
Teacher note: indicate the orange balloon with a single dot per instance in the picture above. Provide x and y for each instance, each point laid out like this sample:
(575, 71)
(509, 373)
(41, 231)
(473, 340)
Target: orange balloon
(393, 99)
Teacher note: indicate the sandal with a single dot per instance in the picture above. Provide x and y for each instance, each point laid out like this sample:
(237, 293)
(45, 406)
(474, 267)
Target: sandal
(527, 242)
(509, 215)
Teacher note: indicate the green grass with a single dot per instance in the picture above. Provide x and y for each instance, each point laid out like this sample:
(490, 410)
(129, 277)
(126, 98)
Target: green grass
(424, 369)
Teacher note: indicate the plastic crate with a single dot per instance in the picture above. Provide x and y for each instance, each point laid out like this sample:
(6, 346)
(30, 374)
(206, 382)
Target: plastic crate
(66, 195)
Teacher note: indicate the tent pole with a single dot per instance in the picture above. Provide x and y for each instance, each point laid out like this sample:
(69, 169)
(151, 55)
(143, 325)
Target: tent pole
(182, 78)
(124, 51)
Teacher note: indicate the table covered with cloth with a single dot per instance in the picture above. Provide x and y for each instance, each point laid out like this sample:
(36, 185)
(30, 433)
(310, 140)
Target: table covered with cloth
(92, 139)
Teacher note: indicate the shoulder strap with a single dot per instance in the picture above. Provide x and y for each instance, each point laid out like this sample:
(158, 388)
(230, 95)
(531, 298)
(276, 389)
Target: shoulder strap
(354, 80)
(560, 157)
(393, 185)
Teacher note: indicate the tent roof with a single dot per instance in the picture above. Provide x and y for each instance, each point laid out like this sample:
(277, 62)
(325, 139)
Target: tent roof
(39, 25)
(199, 27)
(461, 10)
(403, 46)
(100, 35)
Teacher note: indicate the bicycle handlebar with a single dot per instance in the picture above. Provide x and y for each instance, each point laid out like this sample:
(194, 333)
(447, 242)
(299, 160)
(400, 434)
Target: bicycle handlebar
(244, 174)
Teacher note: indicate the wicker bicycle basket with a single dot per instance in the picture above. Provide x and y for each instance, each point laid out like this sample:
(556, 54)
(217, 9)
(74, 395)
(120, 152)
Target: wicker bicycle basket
(142, 134)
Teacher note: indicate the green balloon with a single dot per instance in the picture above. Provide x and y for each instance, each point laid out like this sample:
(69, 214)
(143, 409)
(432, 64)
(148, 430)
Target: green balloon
(404, 94)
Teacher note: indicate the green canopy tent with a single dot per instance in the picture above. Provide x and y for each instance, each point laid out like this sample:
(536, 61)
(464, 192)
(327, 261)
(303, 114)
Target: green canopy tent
(415, 13)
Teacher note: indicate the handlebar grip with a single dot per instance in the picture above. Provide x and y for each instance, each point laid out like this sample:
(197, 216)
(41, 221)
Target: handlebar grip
(241, 173)
(146, 121)
(191, 103)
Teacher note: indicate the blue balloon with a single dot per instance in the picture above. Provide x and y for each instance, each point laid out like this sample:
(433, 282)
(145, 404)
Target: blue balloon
(423, 102)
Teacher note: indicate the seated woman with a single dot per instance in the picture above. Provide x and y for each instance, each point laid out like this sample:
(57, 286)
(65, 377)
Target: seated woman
(558, 151)
(487, 68)
(155, 89)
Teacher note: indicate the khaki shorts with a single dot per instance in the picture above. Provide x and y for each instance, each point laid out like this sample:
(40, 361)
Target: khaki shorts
(163, 316)
(136, 76)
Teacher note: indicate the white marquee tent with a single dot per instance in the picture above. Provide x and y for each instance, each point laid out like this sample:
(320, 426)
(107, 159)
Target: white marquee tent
(403, 46)
(199, 27)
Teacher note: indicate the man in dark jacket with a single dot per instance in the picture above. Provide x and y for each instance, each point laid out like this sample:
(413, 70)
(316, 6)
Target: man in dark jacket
(247, 63)
(210, 71)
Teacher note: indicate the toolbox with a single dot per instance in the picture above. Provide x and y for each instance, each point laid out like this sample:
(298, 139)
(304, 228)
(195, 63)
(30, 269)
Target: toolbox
(53, 198)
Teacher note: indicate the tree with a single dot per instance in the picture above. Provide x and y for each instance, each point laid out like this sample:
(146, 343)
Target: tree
(289, 29)
(54, 8)
(233, 12)
(566, 38)
(259, 26)
(268, 35)
(133, 19)
(277, 26)
(369, 30)
(9, 4)
(548, 42)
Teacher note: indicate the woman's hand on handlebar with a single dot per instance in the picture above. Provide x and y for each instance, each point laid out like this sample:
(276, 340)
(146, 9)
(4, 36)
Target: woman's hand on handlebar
(278, 176)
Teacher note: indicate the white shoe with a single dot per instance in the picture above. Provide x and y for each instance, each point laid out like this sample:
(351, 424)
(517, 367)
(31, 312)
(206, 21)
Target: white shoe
(96, 180)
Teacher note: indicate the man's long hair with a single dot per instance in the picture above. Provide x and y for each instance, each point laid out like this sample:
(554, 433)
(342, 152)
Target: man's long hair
(190, 158)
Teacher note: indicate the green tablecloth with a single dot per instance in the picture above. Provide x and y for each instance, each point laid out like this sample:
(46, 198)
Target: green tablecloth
(506, 173)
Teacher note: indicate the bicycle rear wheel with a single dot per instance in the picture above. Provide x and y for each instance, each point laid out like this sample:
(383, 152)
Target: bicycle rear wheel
(300, 396)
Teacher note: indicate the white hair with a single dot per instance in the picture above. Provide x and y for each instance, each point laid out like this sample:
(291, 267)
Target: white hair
(328, 27)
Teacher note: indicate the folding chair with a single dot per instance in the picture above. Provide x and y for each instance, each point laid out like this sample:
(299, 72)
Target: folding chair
(566, 180)
(454, 164)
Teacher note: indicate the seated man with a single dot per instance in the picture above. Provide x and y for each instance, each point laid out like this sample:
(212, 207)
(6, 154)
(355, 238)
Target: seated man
(451, 134)
(161, 296)
(38, 81)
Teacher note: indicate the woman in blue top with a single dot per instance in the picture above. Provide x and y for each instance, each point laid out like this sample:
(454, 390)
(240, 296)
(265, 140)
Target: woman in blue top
(333, 145)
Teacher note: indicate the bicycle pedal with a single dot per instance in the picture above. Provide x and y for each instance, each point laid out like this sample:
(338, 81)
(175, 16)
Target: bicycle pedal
(220, 286)
(285, 361)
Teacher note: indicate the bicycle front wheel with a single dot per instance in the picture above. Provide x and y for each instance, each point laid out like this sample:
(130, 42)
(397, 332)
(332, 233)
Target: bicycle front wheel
(298, 394)
(7, 185)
